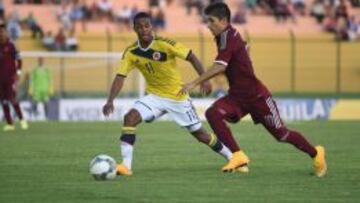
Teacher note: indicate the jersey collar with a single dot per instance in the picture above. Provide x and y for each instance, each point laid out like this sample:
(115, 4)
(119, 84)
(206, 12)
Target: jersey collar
(148, 47)
(226, 29)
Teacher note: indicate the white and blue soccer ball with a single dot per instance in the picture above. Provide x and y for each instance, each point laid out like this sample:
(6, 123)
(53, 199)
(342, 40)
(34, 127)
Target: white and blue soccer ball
(103, 167)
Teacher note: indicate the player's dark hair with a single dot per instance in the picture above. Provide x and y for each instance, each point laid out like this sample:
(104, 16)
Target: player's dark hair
(141, 15)
(219, 10)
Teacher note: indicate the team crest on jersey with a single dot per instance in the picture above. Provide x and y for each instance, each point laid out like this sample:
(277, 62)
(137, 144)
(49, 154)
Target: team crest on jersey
(156, 55)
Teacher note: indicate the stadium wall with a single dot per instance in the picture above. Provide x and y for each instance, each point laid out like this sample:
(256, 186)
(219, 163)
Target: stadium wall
(290, 109)
(297, 64)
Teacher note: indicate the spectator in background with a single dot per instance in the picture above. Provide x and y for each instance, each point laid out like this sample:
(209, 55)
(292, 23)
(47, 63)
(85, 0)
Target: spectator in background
(341, 32)
(329, 22)
(104, 8)
(86, 10)
(41, 86)
(49, 41)
(153, 5)
(299, 6)
(341, 10)
(124, 16)
(284, 10)
(35, 28)
(77, 14)
(239, 16)
(318, 10)
(14, 29)
(159, 21)
(197, 4)
(353, 28)
(250, 4)
(60, 41)
(63, 16)
(71, 42)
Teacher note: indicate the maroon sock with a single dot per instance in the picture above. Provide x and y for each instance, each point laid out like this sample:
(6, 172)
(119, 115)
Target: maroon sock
(299, 141)
(221, 130)
(18, 110)
(6, 110)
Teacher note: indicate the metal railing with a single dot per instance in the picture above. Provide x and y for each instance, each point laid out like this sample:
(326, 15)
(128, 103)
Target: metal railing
(288, 63)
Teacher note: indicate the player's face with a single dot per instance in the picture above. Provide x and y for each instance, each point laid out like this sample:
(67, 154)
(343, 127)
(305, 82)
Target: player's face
(215, 25)
(143, 29)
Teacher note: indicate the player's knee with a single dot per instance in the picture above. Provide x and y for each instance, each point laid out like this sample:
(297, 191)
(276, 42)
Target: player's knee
(281, 134)
(132, 118)
(212, 113)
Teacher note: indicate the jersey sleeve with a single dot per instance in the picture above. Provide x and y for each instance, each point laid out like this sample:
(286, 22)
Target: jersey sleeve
(126, 65)
(224, 52)
(179, 50)
(15, 53)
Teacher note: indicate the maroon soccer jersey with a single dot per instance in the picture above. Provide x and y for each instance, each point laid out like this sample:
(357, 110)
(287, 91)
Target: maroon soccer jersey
(232, 52)
(8, 56)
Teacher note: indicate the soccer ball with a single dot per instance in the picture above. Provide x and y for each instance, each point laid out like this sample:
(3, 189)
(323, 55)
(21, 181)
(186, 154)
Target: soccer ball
(103, 167)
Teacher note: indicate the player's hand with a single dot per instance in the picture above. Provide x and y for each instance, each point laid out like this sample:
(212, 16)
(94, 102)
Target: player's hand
(108, 108)
(205, 88)
(185, 89)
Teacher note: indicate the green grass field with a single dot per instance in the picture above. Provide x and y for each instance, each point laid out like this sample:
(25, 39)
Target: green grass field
(49, 163)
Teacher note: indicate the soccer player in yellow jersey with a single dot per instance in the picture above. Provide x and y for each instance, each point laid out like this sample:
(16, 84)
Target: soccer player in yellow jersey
(155, 58)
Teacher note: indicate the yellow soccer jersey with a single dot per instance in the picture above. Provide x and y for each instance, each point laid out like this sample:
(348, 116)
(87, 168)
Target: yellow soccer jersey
(157, 63)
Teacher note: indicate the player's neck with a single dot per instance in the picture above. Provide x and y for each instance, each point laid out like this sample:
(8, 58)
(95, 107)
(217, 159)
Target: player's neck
(145, 44)
(222, 29)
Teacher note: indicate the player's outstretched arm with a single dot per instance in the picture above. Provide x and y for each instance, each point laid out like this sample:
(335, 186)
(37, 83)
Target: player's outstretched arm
(205, 86)
(212, 72)
(114, 91)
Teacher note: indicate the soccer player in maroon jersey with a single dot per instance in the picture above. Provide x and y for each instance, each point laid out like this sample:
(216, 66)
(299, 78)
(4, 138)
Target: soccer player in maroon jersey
(246, 95)
(10, 67)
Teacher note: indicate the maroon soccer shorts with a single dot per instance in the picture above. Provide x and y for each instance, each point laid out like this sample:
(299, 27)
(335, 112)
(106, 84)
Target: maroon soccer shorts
(262, 110)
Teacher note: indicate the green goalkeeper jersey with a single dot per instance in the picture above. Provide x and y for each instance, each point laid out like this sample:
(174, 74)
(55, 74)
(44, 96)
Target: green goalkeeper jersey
(40, 80)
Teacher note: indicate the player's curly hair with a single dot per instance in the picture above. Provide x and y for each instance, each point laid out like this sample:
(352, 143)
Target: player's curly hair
(219, 10)
(141, 15)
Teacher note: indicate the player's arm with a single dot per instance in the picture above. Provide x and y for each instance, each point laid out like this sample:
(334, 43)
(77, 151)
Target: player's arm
(18, 62)
(216, 69)
(114, 91)
(205, 87)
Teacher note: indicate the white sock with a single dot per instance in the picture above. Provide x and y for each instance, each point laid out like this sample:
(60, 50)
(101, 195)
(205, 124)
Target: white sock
(225, 152)
(127, 154)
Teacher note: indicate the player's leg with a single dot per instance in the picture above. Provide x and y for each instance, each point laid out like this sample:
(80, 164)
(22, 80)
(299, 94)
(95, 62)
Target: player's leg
(145, 109)
(209, 139)
(9, 122)
(5, 104)
(12, 98)
(273, 123)
(45, 100)
(127, 141)
(222, 111)
(185, 115)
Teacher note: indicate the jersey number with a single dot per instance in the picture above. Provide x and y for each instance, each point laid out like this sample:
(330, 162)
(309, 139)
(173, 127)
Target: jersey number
(149, 68)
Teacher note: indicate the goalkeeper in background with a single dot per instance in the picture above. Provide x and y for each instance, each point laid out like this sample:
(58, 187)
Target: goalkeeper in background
(41, 86)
